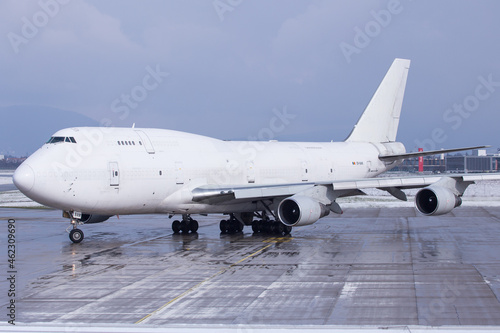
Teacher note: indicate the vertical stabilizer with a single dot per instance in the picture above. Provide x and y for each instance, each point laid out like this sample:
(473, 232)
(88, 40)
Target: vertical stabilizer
(379, 122)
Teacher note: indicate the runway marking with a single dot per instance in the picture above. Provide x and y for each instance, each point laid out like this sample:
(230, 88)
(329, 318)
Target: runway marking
(240, 261)
(271, 242)
(278, 240)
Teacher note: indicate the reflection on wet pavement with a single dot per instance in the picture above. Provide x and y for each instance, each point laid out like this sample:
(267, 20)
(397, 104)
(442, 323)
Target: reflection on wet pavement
(366, 267)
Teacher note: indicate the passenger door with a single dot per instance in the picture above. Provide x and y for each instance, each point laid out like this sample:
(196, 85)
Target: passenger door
(114, 174)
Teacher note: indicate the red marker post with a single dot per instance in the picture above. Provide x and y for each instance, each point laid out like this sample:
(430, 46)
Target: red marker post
(420, 161)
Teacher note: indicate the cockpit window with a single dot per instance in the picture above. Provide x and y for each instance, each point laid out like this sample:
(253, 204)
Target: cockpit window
(57, 139)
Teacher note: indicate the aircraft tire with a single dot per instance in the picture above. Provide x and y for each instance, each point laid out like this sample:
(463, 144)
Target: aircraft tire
(255, 227)
(223, 226)
(261, 226)
(279, 228)
(176, 226)
(184, 227)
(232, 226)
(193, 226)
(76, 235)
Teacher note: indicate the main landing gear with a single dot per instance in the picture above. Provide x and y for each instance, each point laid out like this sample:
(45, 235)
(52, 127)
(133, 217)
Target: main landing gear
(186, 225)
(231, 226)
(270, 227)
(264, 225)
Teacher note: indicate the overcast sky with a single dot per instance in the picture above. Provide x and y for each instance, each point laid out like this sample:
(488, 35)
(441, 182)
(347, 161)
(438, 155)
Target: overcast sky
(225, 68)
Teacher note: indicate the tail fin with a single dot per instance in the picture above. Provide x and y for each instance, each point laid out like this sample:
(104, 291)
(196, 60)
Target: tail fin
(379, 122)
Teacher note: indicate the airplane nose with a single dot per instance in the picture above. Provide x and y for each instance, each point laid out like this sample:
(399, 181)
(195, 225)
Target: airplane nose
(24, 178)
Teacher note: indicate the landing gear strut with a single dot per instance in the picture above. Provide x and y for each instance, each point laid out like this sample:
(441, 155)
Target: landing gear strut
(186, 225)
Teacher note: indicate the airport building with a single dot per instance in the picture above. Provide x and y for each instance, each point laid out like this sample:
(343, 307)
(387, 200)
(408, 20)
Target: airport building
(10, 163)
(432, 164)
(478, 161)
(461, 164)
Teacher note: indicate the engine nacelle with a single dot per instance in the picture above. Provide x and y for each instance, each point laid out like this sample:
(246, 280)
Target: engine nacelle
(92, 218)
(301, 210)
(436, 200)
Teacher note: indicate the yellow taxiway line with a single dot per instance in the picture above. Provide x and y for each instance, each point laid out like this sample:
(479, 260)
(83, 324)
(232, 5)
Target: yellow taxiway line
(271, 242)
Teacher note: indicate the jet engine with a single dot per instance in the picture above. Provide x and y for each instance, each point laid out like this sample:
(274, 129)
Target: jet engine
(300, 210)
(92, 218)
(436, 200)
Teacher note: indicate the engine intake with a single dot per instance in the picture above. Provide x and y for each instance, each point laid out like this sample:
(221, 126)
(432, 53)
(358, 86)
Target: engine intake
(436, 200)
(301, 210)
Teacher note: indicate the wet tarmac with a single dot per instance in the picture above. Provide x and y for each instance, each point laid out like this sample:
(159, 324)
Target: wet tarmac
(8, 187)
(381, 267)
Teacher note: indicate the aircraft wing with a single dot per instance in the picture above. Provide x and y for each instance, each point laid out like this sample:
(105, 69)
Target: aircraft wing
(215, 194)
(395, 185)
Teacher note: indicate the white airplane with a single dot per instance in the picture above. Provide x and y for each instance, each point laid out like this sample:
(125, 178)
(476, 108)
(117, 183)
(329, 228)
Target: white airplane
(93, 173)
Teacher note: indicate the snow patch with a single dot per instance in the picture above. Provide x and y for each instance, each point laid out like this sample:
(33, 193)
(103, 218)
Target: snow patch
(18, 200)
(6, 177)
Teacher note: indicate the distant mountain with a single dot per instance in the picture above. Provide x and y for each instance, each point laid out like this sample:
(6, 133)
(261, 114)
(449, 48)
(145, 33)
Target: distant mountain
(23, 129)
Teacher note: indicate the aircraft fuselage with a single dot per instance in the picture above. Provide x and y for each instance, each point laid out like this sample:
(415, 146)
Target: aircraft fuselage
(117, 171)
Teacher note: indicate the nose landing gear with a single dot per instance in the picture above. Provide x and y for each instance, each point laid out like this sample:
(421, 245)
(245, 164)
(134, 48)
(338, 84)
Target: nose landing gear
(75, 235)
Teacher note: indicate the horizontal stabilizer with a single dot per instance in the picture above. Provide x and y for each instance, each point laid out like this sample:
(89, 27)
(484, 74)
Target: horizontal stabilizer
(396, 157)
